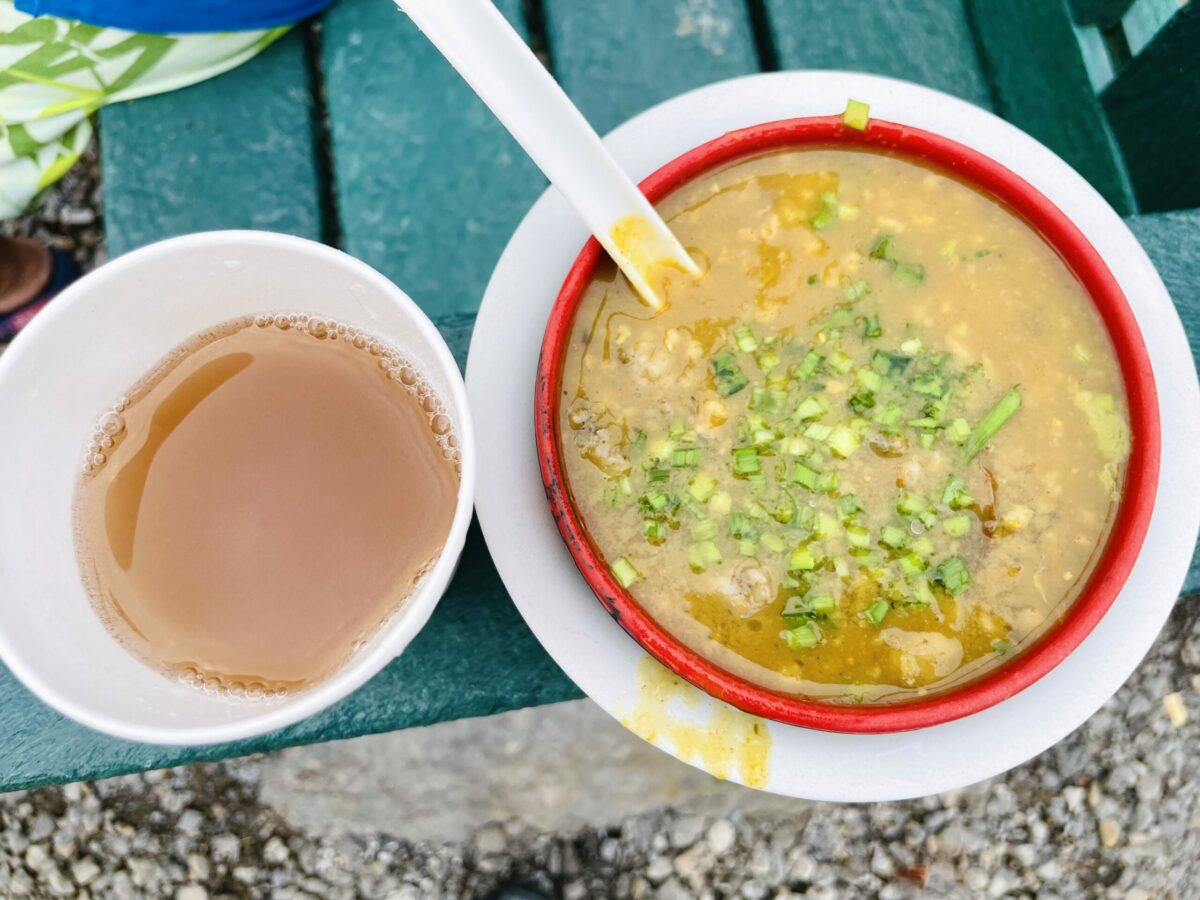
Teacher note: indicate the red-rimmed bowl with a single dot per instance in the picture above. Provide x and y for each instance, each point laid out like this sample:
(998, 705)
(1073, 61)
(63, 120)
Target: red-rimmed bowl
(1133, 515)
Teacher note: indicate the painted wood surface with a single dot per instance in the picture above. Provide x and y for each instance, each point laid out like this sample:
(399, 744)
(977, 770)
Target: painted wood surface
(192, 161)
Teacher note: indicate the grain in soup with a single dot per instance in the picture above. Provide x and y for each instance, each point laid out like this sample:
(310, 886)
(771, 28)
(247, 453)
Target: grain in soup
(874, 451)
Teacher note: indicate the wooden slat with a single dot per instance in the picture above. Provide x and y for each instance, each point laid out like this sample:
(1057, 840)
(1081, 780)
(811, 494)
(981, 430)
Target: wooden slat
(1041, 84)
(1154, 109)
(626, 55)
(429, 184)
(1098, 12)
(1173, 242)
(926, 42)
(232, 152)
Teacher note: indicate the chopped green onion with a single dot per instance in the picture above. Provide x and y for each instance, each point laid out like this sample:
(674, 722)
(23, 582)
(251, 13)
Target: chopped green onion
(911, 565)
(955, 494)
(928, 383)
(893, 537)
(911, 347)
(858, 536)
(823, 604)
(911, 504)
(957, 526)
(624, 572)
(992, 422)
(743, 336)
(885, 248)
(747, 548)
(856, 291)
(804, 475)
(727, 374)
(702, 554)
(685, 459)
(658, 474)
(720, 503)
(802, 560)
(924, 546)
(878, 611)
(701, 486)
(841, 362)
(909, 273)
(827, 483)
(857, 115)
(827, 215)
(773, 542)
(871, 327)
(953, 576)
(745, 461)
(803, 637)
(843, 441)
(704, 531)
(655, 530)
(812, 407)
(818, 432)
(654, 500)
(849, 505)
(808, 366)
(958, 431)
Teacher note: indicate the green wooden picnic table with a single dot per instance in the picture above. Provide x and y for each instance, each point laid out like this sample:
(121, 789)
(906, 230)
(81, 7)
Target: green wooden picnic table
(353, 130)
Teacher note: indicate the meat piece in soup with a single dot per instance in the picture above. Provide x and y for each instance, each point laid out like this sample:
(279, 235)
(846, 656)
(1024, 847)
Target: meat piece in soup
(876, 449)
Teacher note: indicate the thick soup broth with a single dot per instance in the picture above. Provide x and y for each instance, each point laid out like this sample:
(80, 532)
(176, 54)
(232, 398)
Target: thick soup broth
(876, 449)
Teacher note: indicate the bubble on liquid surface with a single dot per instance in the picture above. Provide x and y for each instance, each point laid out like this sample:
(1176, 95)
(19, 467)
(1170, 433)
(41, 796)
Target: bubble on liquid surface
(112, 424)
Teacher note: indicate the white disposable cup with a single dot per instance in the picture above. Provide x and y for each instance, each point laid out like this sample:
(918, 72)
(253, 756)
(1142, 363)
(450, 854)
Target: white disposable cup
(87, 348)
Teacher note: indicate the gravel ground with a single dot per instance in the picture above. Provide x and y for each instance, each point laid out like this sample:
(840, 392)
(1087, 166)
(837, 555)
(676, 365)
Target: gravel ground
(70, 215)
(1113, 811)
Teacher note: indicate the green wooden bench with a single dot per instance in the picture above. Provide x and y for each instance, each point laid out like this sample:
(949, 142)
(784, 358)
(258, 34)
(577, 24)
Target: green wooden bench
(354, 131)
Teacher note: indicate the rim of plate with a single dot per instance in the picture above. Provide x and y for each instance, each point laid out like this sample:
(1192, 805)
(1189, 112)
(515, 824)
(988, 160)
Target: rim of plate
(1121, 548)
(600, 657)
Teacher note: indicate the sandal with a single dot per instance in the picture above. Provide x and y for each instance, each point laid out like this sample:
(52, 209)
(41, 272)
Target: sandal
(62, 270)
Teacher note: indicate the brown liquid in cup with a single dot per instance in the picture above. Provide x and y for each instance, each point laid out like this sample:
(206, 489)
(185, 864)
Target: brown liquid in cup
(264, 501)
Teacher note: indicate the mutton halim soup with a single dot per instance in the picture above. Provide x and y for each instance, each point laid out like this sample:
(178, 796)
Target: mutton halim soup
(875, 450)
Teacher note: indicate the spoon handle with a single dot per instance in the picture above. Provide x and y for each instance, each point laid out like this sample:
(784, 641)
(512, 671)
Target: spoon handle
(503, 71)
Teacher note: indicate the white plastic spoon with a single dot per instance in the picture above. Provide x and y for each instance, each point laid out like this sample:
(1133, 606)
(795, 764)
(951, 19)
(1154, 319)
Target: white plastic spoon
(500, 67)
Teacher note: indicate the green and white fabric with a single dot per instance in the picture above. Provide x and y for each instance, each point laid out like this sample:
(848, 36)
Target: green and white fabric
(54, 74)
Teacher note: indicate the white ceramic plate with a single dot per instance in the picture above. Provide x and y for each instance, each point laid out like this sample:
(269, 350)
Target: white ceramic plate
(610, 667)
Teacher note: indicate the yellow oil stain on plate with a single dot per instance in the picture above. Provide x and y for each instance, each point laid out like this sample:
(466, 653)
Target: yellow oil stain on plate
(728, 739)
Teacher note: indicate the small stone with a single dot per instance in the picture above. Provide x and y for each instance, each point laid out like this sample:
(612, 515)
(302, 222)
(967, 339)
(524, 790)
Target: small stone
(199, 868)
(694, 863)
(191, 892)
(58, 883)
(85, 871)
(189, 822)
(275, 852)
(721, 836)
(40, 829)
(1074, 796)
(36, 857)
(659, 870)
(76, 216)
(1025, 854)
(490, 840)
(673, 890)
(1050, 872)
(1002, 883)
(576, 890)
(245, 874)
(225, 848)
(1176, 711)
(804, 868)
(142, 871)
(685, 831)
(881, 863)
(1110, 833)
